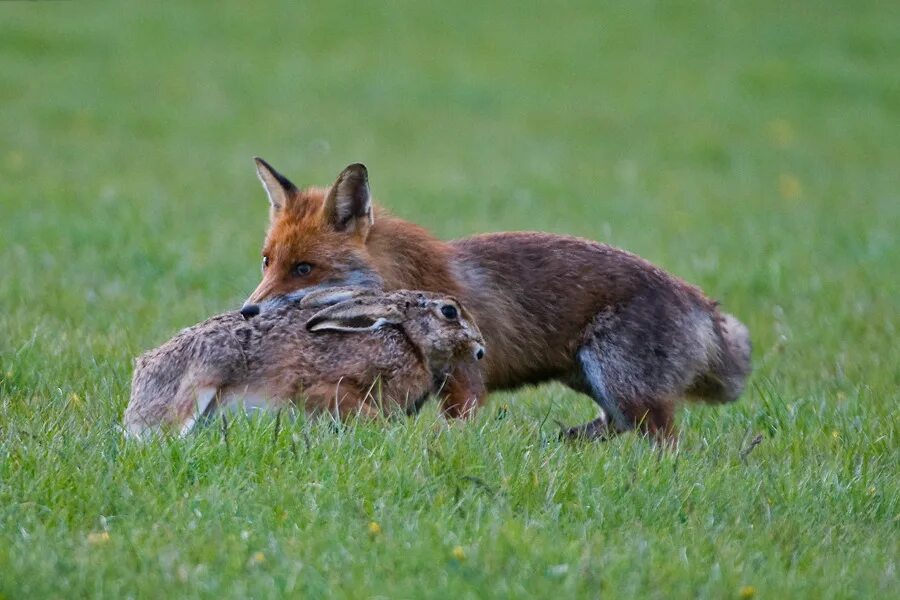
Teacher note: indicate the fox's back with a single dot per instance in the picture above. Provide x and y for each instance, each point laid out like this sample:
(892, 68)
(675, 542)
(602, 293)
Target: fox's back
(534, 294)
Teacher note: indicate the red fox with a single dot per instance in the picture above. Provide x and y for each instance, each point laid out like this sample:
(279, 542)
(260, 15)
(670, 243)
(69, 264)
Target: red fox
(550, 307)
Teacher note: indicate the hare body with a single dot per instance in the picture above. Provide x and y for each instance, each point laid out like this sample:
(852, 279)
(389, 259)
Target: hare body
(362, 353)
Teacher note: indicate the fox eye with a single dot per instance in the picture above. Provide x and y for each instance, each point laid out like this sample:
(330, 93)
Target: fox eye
(449, 311)
(265, 263)
(302, 269)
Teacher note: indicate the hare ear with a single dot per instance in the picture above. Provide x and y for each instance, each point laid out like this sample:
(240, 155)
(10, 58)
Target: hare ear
(352, 315)
(332, 296)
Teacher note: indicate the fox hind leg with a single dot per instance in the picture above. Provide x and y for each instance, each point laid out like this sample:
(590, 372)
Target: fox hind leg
(591, 380)
(655, 420)
(624, 406)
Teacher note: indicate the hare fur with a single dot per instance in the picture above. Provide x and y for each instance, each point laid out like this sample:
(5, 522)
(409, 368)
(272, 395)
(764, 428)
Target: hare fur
(342, 351)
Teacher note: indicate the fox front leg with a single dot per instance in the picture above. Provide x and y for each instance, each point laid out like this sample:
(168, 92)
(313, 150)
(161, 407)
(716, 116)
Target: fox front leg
(464, 392)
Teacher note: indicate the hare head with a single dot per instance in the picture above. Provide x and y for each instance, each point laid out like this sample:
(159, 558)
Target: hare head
(436, 324)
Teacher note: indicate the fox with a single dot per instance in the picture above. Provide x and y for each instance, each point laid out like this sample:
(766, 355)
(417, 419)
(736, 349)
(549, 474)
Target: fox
(601, 320)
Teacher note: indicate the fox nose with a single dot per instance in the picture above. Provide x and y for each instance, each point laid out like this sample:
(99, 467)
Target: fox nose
(479, 353)
(249, 310)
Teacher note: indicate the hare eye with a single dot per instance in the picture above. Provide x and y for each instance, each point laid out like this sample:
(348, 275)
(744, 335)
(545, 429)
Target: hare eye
(302, 269)
(449, 311)
(265, 263)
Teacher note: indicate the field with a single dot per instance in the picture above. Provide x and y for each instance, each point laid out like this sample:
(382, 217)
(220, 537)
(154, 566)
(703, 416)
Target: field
(748, 147)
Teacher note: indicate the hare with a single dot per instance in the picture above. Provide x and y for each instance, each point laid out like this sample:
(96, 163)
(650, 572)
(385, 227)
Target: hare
(344, 351)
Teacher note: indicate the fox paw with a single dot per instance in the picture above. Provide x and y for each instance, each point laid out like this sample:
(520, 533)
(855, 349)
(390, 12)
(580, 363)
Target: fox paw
(598, 429)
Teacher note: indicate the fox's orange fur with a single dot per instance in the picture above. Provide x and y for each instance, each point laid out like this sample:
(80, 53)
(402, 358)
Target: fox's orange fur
(597, 318)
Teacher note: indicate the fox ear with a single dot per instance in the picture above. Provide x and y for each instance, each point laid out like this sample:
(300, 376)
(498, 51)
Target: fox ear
(354, 316)
(348, 206)
(278, 187)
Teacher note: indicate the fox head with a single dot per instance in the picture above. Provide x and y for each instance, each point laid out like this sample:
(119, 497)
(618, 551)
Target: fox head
(316, 237)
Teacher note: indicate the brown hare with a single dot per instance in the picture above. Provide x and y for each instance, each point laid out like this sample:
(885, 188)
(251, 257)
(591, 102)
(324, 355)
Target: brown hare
(344, 351)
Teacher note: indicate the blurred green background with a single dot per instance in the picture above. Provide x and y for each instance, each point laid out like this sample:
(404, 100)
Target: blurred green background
(749, 147)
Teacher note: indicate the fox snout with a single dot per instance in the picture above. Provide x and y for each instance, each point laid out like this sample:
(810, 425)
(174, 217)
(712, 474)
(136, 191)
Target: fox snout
(263, 291)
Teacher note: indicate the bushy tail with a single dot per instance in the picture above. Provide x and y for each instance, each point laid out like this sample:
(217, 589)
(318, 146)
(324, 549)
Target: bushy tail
(729, 365)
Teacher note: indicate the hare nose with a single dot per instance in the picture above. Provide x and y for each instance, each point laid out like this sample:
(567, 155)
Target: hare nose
(249, 310)
(479, 353)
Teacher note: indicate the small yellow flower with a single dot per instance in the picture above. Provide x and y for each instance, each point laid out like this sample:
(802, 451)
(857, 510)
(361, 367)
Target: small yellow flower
(257, 558)
(374, 528)
(100, 537)
(459, 553)
(789, 187)
(75, 399)
(746, 592)
(836, 434)
(872, 490)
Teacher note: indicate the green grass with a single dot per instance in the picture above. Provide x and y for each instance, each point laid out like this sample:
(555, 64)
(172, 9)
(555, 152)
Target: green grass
(749, 147)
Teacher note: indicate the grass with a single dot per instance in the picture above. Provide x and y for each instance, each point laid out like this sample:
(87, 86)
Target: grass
(749, 147)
